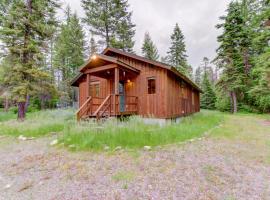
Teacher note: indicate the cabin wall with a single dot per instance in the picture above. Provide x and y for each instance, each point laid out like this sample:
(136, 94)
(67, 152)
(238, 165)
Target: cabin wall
(182, 99)
(150, 105)
(105, 87)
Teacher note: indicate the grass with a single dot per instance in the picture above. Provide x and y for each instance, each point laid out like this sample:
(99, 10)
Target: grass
(134, 134)
(37, 123)
(5, 116)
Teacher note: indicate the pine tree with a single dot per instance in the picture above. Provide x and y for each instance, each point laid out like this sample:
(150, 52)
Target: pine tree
(24, 30)
(233, 78)
(177, 53)
(69, 53)
(260, 90)
(208, 97)
(198, 76)
(123, 38)
(149, 50)
(111, 20)
(93, 47)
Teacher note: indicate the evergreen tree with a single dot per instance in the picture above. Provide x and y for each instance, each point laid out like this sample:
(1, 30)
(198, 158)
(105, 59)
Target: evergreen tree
(260, 91)
(233, 78)
(123, 38)
(111, 20)
(24, 29)
(177, 53)
(149, 50)
(93, 47)
(69, 53)
(208, 97)
(198, 76)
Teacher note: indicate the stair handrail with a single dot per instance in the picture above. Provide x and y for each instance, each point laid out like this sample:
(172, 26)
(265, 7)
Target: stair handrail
(80, 109)
(97, 113)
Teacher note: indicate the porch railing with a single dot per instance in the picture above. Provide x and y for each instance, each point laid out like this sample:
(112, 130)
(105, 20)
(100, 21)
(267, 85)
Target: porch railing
(112, 105)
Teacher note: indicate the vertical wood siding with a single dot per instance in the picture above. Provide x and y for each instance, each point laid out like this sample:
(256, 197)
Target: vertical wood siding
(167, 102)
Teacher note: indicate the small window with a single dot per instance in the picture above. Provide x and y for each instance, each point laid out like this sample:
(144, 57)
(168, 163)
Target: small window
(151, 82)
(94, 89)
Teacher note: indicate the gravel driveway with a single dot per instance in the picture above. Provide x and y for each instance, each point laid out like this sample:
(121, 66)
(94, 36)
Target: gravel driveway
(207, 169)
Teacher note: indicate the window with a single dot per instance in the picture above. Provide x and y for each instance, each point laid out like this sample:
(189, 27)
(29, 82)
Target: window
(94, 89)
(151, 83)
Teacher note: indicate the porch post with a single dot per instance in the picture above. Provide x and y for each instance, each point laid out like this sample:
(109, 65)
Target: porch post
(88, 85)
(116, 88)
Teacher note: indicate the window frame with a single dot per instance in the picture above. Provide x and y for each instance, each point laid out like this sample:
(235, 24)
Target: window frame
(151, 88)
(94, 88)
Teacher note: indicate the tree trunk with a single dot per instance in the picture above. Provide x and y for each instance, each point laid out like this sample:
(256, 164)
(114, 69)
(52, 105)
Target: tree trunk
(27, 103)
(246, 61)
(233, 102)
(6, 104)
(21, 111)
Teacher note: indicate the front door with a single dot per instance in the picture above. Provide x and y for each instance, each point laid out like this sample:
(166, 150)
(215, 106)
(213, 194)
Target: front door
(122, 97)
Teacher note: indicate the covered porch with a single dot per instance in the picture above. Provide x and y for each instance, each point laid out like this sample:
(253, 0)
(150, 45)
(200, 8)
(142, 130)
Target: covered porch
(115, 101)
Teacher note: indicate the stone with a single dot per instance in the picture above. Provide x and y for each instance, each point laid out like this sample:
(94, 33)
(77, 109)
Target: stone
(147, 148)
(7, 186)
(21, 137)
(54, 142)
(106, 148)
(118, 148)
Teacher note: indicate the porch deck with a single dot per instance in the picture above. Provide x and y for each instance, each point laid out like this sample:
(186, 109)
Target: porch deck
(111, 106)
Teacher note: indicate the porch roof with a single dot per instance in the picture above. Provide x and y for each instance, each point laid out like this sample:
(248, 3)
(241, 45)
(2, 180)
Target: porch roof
(100, 62)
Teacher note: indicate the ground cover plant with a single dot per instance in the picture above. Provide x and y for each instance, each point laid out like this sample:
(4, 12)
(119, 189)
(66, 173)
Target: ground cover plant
(38, 123)
(135, 134)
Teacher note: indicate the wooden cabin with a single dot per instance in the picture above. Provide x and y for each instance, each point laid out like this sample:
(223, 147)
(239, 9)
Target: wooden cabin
(116, 83)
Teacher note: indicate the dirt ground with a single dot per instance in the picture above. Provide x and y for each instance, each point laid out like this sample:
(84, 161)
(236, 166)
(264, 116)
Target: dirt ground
(211, 168)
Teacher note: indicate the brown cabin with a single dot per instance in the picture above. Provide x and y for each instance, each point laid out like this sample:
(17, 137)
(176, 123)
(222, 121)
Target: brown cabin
(116, 83)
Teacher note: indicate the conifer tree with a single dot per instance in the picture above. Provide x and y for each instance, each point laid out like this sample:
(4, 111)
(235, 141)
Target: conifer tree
(111, 20)
(24, 29)
(233, 78)
(123, 38)
(198, 76)
(149, 50)
(92, 47)
(260, 91)
(177, 53)
(208, 97)
(69, 52)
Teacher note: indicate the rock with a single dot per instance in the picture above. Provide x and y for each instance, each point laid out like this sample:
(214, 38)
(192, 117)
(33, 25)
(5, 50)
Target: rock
(118, 148)
(72, 146)
(54, 142)
(106, 148)
(21, 137)
(7, 186)
(192, 140)
(147, 148)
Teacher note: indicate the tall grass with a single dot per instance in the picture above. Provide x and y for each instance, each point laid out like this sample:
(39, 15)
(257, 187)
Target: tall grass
(38, 123)
(5, 116)
(135, 134)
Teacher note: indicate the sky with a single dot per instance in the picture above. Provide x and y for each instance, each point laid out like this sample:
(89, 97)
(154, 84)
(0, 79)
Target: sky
(196, 18)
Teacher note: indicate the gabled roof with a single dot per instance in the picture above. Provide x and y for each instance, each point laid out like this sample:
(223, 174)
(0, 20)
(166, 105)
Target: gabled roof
(109, 50)
(106, 57)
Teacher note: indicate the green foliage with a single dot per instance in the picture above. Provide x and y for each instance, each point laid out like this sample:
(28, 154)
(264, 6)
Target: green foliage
(260, 91)
(232, 42)
(149, 50)
(208, 97)
(223, 102)
(136, 134)
(25, 27)
(111, 20)
(38, 123)
(68, 53)
(177, 53)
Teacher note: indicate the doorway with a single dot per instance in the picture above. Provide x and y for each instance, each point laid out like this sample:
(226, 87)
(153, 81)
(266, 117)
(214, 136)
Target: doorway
(122, 96)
